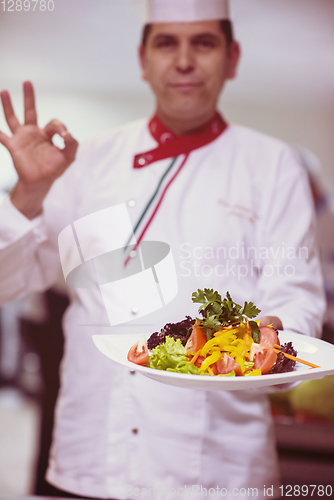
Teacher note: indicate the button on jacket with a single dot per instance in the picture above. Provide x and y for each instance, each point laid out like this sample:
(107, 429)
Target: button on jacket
(237, 217)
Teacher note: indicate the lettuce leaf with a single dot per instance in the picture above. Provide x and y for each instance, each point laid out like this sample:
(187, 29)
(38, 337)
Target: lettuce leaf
(231, 374)
(171, 356)
(191, 369)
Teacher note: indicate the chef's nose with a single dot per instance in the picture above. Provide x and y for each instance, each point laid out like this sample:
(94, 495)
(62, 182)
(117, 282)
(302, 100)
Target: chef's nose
(185, 61)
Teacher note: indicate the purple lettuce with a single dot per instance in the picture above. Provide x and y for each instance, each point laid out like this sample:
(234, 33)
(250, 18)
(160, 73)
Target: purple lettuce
(284, 364)
(175, 330)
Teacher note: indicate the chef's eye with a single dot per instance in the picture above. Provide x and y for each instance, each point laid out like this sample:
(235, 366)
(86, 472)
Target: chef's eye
(205, 43)
(165, 43)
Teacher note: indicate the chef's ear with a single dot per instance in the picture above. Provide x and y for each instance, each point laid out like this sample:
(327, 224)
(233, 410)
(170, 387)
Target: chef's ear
(234, 53)
(142, 60)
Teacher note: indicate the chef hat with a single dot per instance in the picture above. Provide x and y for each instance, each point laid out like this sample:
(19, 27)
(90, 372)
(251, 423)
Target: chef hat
(186, 11)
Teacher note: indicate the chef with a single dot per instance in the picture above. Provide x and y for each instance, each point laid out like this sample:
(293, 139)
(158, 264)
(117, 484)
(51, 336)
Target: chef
(235, 208)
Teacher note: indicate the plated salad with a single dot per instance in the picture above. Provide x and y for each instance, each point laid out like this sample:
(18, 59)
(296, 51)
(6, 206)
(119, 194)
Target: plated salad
(226, 341)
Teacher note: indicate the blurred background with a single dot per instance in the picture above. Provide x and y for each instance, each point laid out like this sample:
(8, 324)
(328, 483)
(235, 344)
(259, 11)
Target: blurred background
(82, 59)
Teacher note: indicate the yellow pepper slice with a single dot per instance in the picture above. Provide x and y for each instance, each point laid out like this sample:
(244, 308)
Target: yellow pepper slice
(217, 342)
(210, 360)
(253, 373)
(240, 360)
(225, 340)
(209, 345)
(230, 348)
(228, 331)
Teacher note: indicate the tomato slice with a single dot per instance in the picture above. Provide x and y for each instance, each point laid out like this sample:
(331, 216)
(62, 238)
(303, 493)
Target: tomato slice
(199, 361)
(268, 336)
(138, 353)
(264, 357)
(226, 364)
(197, 339)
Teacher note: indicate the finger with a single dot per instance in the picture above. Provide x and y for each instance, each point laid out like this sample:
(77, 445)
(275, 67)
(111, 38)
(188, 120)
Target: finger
(11, 119)
(71, 146)
(55, 127)
(30, 114)
(271, 320)
(4, 139)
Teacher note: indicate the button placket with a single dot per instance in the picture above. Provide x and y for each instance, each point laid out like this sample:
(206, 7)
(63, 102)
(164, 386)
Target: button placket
(133, 464)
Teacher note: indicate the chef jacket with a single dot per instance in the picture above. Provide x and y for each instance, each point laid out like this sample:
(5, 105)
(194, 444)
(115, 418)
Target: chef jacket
(239, 218)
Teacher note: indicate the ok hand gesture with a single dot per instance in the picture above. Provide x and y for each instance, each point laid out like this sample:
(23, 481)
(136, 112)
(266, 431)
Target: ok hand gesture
(37, 160)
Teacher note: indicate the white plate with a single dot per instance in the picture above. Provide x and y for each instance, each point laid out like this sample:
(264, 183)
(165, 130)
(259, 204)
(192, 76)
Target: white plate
(316, 351)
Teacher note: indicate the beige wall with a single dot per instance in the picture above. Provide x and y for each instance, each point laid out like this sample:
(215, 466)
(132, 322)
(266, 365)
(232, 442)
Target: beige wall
(311, 126)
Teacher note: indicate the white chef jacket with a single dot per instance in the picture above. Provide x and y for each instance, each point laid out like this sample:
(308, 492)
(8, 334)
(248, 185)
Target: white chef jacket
(240, 203)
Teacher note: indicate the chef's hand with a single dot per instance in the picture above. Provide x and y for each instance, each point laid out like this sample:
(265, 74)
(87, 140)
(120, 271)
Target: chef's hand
(271, 320)
(37, 161)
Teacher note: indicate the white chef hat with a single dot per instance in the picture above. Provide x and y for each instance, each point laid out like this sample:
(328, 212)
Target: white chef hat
(186, 11)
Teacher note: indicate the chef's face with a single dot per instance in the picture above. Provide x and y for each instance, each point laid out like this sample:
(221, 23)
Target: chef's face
(186, 65)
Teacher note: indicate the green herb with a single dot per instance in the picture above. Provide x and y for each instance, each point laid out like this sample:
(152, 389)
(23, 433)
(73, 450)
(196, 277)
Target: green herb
(250, 310)
(217, 312)
(255, 331)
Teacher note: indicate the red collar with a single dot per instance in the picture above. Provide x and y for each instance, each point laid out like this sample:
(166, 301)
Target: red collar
(172, 145)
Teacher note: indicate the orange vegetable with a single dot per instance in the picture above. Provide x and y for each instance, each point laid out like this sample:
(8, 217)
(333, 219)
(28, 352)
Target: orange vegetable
(197, 339)
(194, 358)
(296, 359)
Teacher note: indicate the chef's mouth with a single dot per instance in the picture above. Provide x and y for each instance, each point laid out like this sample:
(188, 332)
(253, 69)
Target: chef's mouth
(185, 85)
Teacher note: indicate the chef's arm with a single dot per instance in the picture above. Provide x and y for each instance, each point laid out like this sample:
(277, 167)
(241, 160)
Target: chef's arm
(291, 284)
(29, 261)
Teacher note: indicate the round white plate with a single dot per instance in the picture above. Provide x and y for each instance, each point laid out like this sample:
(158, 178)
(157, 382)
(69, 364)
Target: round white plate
(316, 351)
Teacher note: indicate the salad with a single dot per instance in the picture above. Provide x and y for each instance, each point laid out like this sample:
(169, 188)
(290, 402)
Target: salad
(226, 341)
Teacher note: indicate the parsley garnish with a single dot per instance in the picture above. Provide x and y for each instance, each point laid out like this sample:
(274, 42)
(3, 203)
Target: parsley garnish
(217, 312)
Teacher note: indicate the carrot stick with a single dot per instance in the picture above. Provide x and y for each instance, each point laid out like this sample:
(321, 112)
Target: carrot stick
(292, 357)
(194, 358)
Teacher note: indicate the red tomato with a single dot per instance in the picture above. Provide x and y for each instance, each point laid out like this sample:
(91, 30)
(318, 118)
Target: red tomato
(138, 353)
(197, 339)
(214, 369)
(226, 364)
(199, 361)
(268, 336)
(264, 357)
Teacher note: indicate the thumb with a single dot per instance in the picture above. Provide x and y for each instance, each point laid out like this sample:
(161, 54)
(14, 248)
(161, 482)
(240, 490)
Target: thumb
(271, 320)
(71, 146)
